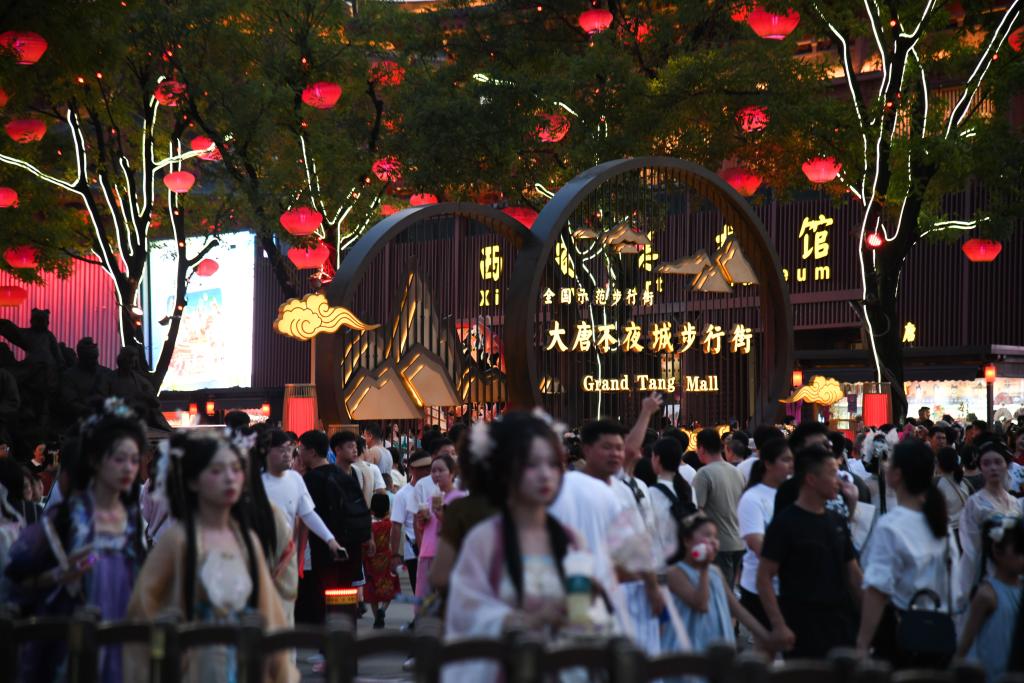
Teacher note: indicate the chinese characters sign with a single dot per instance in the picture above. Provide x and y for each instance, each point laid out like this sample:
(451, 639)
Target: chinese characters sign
(658, 337)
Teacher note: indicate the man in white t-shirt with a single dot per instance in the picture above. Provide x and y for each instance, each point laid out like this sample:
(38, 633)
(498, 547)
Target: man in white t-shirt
(403, 516)
(376, 453)
(286, 489)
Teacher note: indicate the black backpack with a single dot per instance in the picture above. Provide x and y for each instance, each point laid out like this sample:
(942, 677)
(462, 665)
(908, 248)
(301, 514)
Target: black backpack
(348, 517)
(679, 508)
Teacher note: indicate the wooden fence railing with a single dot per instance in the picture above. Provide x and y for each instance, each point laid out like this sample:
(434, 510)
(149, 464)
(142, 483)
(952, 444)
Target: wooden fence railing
(523, 661)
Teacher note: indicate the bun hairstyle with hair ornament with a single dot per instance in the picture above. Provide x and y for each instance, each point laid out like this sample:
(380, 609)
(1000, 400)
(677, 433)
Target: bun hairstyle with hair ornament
(100, 432)
(183, 458)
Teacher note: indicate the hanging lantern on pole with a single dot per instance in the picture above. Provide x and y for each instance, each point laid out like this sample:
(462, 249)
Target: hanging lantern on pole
(26, 130)
(305, 258)
(745, 182)
(28, 46)
(981, 251)
(595, 20)
(772, 26)
(301, 221)
(821, 169)
(322, 95)
(179, 182)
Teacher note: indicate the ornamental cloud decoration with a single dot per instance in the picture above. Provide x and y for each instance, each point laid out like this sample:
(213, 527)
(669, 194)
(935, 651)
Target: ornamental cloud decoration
(311, 315)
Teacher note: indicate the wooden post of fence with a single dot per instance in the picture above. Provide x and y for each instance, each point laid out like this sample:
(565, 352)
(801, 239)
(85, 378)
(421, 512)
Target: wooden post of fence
(426, 649)
(625, 661)
(249, 655)
(164, 653)
(872, 671)
(524, 664)
(340, 651)
(8, 648)
(83, 652)
(750, 667)
(844, 664)
(967, 672)
(722, 658)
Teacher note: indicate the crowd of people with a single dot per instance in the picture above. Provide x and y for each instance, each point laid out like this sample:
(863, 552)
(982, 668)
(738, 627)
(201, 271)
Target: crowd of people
(905, 542)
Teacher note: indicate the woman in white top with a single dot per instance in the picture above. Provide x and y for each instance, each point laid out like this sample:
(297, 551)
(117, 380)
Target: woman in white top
(952, 486)
(756, 508)
(908, 552)
(992, 499)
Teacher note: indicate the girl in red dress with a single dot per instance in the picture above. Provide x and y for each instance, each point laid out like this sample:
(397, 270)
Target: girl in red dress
(381, 581)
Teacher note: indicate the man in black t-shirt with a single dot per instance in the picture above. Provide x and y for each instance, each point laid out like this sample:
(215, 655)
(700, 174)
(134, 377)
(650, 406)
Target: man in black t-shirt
(328, 570)
(809, 548)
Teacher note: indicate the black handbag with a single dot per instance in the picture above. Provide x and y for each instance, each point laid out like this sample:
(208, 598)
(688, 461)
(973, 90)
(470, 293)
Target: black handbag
(929, 632)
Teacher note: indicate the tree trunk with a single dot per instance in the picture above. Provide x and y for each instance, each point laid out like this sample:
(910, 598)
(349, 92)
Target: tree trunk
(884, 334)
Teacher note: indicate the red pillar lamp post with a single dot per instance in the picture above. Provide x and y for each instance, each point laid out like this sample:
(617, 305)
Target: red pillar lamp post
(798, 377)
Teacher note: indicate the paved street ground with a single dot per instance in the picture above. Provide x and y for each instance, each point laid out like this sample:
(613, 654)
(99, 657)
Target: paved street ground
(374, 669)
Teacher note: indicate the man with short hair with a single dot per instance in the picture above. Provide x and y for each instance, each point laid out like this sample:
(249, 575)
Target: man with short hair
(345, 446)
(328, 568)
(718, 486)
(809, 548)
(924, 414)
(938, 438)
(376, 453)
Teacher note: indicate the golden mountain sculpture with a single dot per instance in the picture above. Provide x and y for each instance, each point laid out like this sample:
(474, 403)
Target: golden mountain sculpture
(734, 264)
(688, 265)
(622, 238)
(311, 315)
(584, 234)
(824, 391)
(380, 394)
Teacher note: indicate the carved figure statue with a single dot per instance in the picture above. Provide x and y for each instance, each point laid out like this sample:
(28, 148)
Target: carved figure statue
(84, 382)
(128, 382)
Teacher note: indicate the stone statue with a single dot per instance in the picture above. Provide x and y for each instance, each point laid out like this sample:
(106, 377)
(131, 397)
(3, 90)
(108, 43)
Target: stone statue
(128, 382)
(38, 374)
(10, 397)
(84, 382)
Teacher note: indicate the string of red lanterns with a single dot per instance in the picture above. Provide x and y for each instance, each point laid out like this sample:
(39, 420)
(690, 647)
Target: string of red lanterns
(301, 221)
(305, 258)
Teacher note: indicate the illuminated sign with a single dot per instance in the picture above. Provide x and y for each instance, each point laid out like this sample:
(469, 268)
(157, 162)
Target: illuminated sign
(311, 315)
(694, 384)
(660, 338)
(813, 241)
(909, 333)
(491, 265)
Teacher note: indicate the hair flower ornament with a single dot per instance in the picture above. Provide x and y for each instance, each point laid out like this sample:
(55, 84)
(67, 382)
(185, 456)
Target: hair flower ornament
(1000, 525)
(480, 442)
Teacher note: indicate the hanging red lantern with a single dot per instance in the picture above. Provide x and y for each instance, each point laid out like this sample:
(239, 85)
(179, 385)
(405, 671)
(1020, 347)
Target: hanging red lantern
(301, 221)
(739, 13)
(552, 128)
(388, 169)
(265, 409)
(8, 198)
(207, 267)
(874, 240)
(11, 295)
(981, 251)
(876, 410)
(4, 98)
(389, 210)
(752, 119)
(386, 73)
(26, 130)
(305, 258)
(200, 142)
(27, 45)
(193, 409)
(822, 169)
(523, 214)
(179, 181)
(595, 20)
(743, 181)
(798, 378)
(211, 408)
(422, 199)
(322, 95)
(22, 257)
(1016, 40)
(772, 26)
(168, 93)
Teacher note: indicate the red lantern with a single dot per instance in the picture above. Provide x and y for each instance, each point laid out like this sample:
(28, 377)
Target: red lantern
(322, 95)
(595, 20)
(302, 221)
(523, 214)
(207, 267)
(26, 130)
(201, 142)
(179, 181)
(798, 378)
(876, 410)
(990, 374)
(821, 169)
(27, 45)
(8, 198)
(553, 127)
(305, 258)
(4, 97)
(388, 169)
(422, 199)
(265, 410)
(386, 73)
(169, 93)
(1016, 39)
(772, 26)
(211, 408)
(874, 240)
(981, 251)
(22, 257)
(752, 119)
(389, 210)
(743, 181)
(193, 409)
(13, 296)
(740, 12)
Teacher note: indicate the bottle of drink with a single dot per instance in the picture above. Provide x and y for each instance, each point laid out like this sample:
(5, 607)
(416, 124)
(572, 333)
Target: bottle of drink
(579, 572)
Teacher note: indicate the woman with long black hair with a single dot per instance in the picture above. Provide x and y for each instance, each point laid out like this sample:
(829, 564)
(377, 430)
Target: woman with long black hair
(209, 564)
(907, 557)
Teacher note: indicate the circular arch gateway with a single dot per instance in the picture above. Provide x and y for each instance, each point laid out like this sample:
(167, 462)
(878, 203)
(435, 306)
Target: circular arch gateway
(427, 288)
(649, 273)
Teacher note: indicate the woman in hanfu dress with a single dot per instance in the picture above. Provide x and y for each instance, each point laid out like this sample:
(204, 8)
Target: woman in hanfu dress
(209, 565)
(86, 551)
